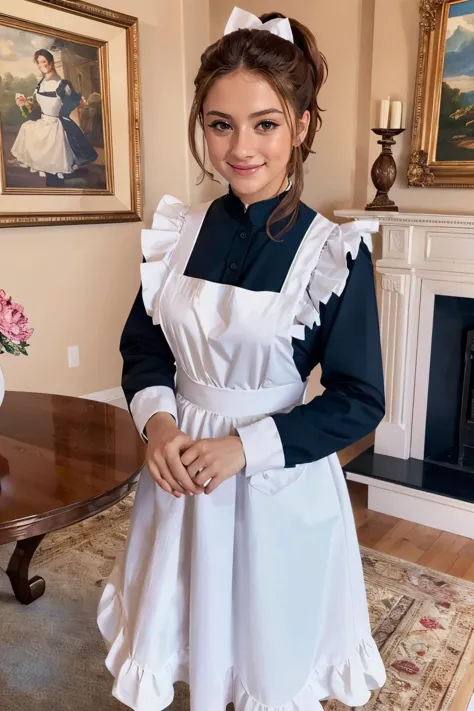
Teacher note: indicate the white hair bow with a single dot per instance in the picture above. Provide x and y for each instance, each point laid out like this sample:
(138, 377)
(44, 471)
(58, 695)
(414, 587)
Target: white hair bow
(241, 19)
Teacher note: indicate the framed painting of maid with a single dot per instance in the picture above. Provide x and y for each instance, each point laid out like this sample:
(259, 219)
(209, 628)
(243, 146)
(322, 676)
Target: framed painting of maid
(69, 130)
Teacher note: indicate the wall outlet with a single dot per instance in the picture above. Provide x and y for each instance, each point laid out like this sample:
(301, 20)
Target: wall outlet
(73, 356)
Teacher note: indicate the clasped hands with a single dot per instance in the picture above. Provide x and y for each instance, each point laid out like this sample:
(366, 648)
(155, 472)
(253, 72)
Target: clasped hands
(182, 466)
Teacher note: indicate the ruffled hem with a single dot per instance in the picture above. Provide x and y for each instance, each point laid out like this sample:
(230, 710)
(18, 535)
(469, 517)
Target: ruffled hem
(138, 688)
(157, 246)
(350, 682)
(331, 272)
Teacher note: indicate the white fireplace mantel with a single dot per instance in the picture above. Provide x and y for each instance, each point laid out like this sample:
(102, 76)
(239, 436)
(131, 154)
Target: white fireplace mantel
(422, 242)
(423, 255)
(409, 218)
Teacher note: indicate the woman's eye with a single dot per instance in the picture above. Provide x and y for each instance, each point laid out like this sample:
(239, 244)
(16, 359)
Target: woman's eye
(268, 125)
(220, 125)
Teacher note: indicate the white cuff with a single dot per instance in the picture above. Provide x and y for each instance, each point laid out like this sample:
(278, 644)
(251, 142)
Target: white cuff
(149, 401)
(262, 446)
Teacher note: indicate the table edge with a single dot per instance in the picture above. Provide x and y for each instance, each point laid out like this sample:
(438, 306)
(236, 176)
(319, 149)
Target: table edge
(41, 524)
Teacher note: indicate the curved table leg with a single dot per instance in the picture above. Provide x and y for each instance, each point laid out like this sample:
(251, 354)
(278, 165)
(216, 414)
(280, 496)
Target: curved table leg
(26, 591)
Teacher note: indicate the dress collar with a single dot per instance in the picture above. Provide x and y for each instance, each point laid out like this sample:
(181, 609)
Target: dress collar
(257, 213)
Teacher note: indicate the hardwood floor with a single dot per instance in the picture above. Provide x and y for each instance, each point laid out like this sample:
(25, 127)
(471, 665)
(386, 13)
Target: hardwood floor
(415, 543)
(410, 541)
(435, 549)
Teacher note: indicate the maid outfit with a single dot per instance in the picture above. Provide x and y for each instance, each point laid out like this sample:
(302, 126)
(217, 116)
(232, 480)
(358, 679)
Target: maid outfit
(54, 143)
(253, 594)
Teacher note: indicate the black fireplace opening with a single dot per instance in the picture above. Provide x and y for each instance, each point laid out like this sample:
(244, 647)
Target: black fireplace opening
(449, 438)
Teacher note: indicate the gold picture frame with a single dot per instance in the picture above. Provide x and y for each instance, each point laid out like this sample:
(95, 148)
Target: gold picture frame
(442, 151)
(70, 143)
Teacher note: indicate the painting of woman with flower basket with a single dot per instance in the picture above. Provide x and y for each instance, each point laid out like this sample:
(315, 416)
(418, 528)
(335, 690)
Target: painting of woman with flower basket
(48, 137)
(53, 145)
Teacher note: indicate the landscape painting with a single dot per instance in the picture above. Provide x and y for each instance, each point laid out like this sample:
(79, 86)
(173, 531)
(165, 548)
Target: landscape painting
(442, 149)
(51, 112)
(456, 116)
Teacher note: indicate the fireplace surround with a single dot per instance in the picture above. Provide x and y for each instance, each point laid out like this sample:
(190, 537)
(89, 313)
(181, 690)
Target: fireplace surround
(426, 279)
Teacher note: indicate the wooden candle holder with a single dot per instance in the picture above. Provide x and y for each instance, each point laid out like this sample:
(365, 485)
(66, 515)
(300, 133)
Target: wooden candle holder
(384, 170)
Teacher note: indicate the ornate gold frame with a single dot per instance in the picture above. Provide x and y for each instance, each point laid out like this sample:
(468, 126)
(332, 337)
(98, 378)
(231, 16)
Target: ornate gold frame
(424, 170)
(130, 25)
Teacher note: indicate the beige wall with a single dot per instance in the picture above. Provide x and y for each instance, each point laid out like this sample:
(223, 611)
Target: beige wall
(77, 283)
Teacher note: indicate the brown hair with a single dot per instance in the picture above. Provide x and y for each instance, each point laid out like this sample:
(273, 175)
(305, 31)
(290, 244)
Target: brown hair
(296, 72)
(44, 53)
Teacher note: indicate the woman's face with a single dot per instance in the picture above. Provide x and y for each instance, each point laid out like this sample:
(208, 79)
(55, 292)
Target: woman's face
(248, 137)
(44, 66)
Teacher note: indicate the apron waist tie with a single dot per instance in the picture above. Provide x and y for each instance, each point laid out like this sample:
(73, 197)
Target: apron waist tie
(240, 403)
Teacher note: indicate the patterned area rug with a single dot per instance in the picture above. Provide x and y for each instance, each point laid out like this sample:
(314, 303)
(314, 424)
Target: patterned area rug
(423, 623)
(52, 656)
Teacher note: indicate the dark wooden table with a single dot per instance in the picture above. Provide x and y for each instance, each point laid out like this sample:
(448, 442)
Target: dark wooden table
(62, 459)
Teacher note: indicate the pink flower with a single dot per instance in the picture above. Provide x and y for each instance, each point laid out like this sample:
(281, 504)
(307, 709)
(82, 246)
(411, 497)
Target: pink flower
(13, 322)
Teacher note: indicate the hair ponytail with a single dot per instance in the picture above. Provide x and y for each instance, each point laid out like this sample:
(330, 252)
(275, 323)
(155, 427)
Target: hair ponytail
(295, 71)
(306, 42)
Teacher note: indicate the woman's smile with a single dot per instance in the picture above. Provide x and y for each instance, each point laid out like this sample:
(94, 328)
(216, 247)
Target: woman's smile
(246, 170)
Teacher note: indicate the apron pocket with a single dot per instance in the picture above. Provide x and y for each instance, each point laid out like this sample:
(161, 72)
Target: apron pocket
(272, 481)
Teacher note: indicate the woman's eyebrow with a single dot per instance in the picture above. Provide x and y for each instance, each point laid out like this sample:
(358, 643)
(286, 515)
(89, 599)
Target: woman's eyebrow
(264, 112)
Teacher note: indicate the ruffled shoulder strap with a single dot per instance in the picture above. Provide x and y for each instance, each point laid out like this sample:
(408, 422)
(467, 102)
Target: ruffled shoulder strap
(158, 244)
(355, 232)
(331, 272)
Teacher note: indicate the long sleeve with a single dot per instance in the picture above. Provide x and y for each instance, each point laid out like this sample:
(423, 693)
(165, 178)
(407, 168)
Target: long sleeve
(148, 374)
(148, 377)
(353, 402)
(69, 96)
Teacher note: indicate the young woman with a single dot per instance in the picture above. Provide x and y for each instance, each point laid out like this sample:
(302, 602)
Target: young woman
(53, 145)
(242, 573)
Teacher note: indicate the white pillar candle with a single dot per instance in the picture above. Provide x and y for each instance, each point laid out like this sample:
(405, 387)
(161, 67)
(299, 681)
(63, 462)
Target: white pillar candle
(404, 115)
(384, 112)
(395, 114)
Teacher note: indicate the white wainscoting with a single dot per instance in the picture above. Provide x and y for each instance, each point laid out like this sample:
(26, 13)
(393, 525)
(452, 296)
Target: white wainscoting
(113, 396)
(418, 506)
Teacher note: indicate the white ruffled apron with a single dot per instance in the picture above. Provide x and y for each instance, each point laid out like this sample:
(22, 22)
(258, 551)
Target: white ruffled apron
(254, 594)
(42, 145)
